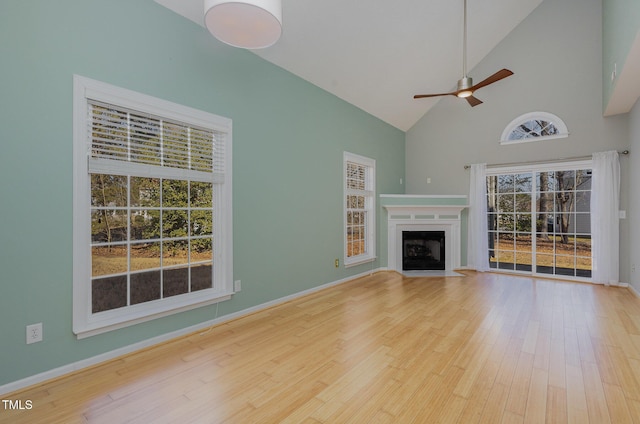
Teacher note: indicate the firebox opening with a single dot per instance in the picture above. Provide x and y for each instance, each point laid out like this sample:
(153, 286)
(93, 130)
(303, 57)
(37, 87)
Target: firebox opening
(423, 250)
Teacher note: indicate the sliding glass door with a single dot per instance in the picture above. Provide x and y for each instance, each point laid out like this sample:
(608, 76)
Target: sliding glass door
(539, 221)
(510, 200)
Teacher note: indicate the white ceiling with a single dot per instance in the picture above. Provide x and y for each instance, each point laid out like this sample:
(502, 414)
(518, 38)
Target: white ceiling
(377, 54)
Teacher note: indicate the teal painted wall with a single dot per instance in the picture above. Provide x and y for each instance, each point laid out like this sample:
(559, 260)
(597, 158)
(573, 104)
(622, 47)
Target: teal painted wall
(288, 141)
(620, 26)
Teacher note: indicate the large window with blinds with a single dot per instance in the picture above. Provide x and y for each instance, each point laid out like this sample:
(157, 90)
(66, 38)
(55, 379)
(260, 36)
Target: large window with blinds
(152, 207)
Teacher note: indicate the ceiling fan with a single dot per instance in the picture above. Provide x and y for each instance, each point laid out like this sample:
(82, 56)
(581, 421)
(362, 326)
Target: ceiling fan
(465, 84)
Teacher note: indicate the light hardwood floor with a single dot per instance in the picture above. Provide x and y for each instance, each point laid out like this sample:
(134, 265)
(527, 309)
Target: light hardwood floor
(484, 348)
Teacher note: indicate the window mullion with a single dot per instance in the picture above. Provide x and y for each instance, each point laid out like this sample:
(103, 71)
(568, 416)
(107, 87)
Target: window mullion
(189, 282)
(534, 222)
(161, 238)
(128, 218)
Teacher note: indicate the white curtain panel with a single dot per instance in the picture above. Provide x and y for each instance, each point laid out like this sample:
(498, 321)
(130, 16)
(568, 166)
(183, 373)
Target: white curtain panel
(477, 239)
(605, 225)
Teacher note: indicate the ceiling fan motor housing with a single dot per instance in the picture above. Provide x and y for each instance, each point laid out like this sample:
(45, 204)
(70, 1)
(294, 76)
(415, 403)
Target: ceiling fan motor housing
(464, 87)
(465, 83)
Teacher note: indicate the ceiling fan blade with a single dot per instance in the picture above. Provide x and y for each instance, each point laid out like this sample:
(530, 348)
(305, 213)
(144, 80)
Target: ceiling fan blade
(422, 96)
(473, 101)
(503, 73)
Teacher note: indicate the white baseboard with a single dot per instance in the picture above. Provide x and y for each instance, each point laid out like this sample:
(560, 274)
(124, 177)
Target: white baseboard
(94, 360)
(634, 291)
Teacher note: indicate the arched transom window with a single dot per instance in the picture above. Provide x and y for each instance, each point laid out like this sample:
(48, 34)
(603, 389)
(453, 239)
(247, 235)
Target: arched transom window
(534, 126)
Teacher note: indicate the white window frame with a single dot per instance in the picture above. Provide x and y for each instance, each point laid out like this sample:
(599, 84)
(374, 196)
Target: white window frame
(369, 193)
(563, 132)
(85, 322)
(534, 168)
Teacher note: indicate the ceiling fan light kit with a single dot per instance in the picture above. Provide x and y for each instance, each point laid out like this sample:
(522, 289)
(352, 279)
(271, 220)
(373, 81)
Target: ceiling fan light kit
(465, 84)
(248, 24)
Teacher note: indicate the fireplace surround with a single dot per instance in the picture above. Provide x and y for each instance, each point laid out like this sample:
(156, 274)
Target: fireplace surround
(406, 214)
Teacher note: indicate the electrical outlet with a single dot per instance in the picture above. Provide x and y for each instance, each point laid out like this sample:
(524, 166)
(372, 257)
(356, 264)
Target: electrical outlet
(237, 285)
(34, 333)
(336, 263)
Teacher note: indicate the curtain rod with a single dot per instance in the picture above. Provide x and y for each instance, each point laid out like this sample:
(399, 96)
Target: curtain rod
(623, 152)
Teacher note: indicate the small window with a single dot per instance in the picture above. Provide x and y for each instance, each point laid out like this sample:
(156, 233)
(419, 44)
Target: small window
(534, 126)
(359, 210)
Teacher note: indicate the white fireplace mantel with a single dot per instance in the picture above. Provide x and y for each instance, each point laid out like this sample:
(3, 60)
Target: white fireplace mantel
(424, 210)
(424, 217)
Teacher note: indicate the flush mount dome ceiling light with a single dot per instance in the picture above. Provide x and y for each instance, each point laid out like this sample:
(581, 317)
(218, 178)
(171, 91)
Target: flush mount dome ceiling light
(248, 24)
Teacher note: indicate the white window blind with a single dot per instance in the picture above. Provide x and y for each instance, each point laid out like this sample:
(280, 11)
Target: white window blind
(131, 137)
(356, 176)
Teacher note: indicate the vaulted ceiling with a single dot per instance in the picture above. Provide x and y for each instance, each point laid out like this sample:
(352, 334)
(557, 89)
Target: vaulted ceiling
(377, 54)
